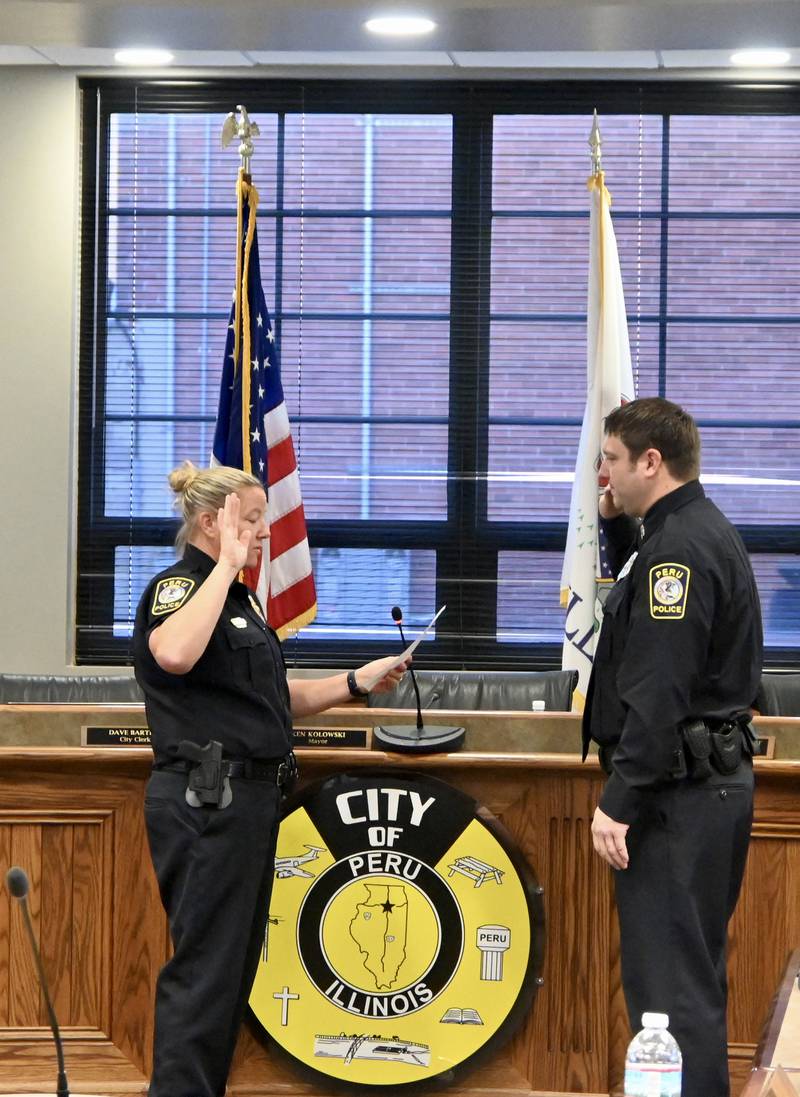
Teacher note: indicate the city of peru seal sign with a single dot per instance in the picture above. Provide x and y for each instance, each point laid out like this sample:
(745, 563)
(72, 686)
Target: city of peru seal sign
(405, 932)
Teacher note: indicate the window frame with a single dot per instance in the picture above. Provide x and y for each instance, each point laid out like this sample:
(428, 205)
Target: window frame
(466, 543)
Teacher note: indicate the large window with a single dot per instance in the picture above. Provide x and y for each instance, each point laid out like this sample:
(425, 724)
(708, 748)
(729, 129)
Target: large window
(424, 251)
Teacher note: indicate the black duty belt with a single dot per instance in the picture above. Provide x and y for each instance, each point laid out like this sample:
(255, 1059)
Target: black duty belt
(701, 750)
(252, 769)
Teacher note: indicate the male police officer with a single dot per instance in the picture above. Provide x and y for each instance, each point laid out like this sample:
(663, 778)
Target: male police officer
(676, 669)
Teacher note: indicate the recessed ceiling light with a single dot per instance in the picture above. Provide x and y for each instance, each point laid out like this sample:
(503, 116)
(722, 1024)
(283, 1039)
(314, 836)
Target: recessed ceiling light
(400, 26)
(761, 58)
(143, 57)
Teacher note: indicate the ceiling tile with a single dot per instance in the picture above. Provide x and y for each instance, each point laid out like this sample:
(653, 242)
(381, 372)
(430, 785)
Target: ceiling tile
(89, 56)
(21, 55)
(717, 59)
(558, 59)
(422, 58)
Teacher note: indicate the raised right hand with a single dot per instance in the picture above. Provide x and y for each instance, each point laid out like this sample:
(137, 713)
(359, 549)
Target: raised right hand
(234, 544)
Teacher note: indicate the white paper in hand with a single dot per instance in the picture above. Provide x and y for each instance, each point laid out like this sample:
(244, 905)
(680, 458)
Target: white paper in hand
(409, 651)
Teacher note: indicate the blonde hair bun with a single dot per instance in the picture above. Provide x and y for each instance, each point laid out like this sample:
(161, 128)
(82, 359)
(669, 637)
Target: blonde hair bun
(181, 478)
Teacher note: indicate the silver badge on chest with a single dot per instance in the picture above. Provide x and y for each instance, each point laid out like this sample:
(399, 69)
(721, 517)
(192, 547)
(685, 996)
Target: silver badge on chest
(627, 566)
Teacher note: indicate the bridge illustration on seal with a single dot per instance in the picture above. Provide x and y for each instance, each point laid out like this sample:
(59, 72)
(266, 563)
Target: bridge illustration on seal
(387, 1049)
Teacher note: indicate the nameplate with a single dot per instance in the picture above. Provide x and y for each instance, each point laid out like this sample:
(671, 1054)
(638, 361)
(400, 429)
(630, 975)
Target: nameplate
(764, 746)
(94, 735)
(331, 737)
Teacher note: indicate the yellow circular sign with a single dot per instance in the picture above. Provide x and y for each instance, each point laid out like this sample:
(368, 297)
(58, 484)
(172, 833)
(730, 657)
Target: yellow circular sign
(404, 934)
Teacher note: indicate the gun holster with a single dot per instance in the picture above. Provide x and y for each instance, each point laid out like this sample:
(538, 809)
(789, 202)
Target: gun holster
(208, 782)
(719, 750)
(697, 745)
(288, 773)
(726, 748)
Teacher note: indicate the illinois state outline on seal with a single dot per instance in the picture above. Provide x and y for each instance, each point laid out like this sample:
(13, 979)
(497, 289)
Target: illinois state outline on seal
(405, 932)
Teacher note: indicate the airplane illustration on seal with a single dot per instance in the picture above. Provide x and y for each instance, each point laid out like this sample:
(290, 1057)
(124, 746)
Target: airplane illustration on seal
(286, 867)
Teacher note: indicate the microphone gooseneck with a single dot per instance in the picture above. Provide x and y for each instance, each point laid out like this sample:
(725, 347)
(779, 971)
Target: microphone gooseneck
(417, 738)
(18, 885)
(397, 617)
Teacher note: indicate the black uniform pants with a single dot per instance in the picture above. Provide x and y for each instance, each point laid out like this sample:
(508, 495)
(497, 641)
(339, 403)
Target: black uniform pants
(687, 856)
(215, 871)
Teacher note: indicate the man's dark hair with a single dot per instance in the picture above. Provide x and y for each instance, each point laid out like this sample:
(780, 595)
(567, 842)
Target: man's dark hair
(655, 423)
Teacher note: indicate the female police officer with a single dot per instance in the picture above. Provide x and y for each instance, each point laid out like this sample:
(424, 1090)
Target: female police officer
(213, 673)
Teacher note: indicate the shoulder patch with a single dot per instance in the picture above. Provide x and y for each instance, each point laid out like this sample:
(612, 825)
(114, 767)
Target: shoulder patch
(669, 591)
(170, 594)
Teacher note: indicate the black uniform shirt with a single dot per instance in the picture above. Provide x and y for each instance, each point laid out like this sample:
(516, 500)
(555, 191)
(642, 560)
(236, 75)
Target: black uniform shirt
(681, 639)
(236, 692)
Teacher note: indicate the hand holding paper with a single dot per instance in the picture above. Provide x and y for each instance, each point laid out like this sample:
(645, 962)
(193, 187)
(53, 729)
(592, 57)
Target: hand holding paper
(372, 675)
(381, 675)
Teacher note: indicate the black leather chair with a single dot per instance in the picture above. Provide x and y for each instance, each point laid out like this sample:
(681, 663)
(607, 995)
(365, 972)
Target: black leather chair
(778, 694)
(472, 690)
(64, 689)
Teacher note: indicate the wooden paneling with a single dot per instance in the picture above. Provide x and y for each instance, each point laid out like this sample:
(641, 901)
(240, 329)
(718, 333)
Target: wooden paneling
(492, 732)
(5, 929)
(780, 1042)
(24, 997)
(78, 835)
(766, 925)
(558, 1046)
(89, 939)
(58, 876)
(73, 819)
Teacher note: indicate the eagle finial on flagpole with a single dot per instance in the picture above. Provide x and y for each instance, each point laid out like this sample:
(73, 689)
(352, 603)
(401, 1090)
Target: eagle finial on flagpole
(595, 141)
(245, 130)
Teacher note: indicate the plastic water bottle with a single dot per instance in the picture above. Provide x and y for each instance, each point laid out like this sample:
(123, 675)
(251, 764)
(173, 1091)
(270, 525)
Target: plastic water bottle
(653, 1062)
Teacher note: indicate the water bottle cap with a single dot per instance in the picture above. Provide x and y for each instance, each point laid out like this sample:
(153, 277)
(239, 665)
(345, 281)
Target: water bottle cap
(655, 1020)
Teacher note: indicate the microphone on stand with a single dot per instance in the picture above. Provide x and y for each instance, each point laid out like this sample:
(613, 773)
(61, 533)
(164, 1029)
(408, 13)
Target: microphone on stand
(19, 886)
(397, 617)
(411, 738)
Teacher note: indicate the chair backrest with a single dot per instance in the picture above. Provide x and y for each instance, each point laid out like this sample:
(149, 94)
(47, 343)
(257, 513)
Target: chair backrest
(68, 689)
(779, 694)
(472, 690)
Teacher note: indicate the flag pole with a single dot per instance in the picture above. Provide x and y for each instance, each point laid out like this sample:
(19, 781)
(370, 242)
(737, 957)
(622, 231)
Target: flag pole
(609, 382)
(245, 130)
(253, 431)
(595, 142)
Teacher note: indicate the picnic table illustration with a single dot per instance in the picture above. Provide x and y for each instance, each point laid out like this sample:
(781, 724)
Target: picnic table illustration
(476, 870)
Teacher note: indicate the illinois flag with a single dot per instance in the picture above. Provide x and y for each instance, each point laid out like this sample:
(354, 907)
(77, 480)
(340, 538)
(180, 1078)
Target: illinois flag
(253, 434)
(609, 383)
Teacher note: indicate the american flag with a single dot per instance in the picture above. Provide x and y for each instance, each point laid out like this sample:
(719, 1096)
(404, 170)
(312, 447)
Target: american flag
(253, 434)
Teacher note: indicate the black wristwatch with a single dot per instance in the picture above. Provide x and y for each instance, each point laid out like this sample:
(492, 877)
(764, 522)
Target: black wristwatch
(353, 686)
